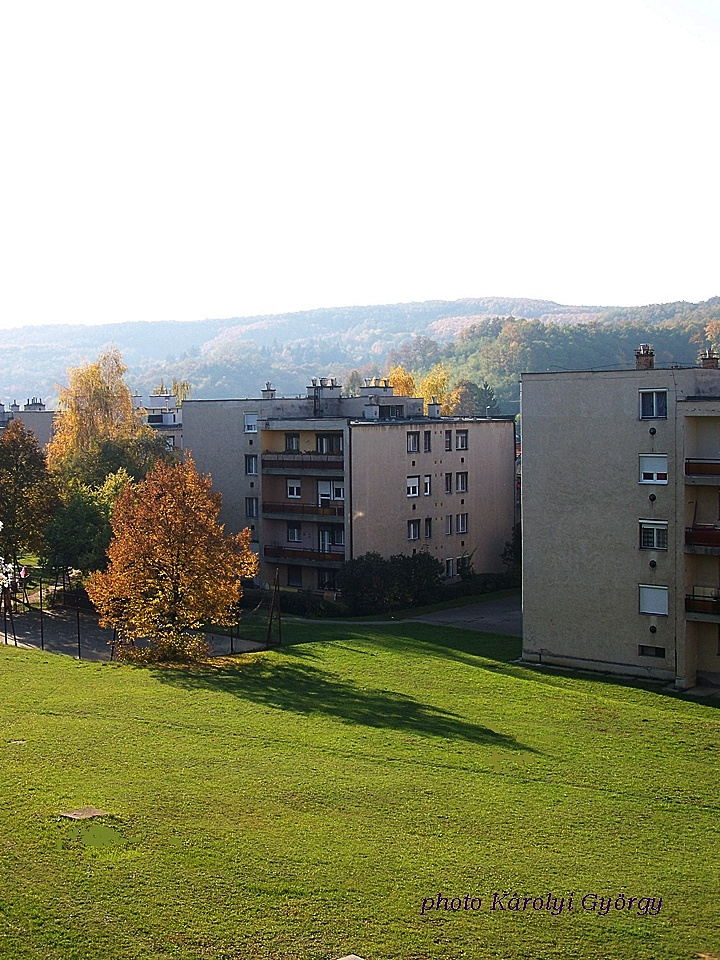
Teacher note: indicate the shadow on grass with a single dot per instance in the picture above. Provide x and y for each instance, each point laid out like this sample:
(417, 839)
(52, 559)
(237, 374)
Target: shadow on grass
(303, 689)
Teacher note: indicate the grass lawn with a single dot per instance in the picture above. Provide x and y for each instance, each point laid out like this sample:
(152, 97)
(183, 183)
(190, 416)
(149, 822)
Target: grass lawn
(302, 803)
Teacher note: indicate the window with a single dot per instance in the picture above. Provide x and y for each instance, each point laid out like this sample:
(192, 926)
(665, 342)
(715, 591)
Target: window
(251, 506)
(448, 525)
(293, 489)
(394, 412)
(653, 404)
(413, 486)
(461, 440)
(292, 442)
(449, 568)
(448, 439)
(461, 523)
(251, 422)
(427, 441)
(427, 485)
(461, 483)
(338, 535)
(326, 579)
(653, 600)
(338, 491)
(294, 576)
(413, 529)
(251, 464)
(653, 535)
(644, 651)
(413, 442)
(294, 533)
(329, 442)
(653, 468)
(448, 483)
(428, 528)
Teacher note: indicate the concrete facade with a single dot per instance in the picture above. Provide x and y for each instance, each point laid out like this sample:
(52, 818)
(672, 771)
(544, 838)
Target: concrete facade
(621, 521)
(323, 479)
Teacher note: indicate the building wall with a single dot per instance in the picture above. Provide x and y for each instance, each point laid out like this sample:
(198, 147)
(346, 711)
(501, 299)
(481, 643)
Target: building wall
(582, 503)
(381, 508)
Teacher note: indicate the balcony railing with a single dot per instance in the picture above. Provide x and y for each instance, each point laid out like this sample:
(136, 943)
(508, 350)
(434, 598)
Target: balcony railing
(702, 468)
(702, 535)
(303, 461)
(702, 601)
(337, 555)
(336, 509)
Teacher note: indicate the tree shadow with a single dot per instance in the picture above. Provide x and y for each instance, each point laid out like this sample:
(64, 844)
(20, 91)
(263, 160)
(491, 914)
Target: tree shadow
(303, 689)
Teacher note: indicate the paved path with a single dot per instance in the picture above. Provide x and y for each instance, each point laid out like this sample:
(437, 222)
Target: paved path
(493, 616)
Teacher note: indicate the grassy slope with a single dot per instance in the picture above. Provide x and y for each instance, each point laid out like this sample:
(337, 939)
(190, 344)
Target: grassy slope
(301, 803)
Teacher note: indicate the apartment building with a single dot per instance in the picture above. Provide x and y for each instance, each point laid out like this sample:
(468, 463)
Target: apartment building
(621, 520)
(34, 417)
(322, 479)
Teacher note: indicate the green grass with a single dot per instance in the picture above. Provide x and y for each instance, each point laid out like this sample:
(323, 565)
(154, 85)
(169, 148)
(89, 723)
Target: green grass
(301, 803)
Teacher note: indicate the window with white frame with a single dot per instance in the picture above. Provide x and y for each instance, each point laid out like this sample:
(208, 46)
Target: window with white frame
(413, 486)
(448, 525)
(653, 468)
(461, 440)
(294, 531)
(294, 489)
(449, 568)
(653, 404)
(653, 535)
(413, 441)
(448, 439)
(413, 527)
(653, 599)
(251, 464)
(251, 506)
(461, 523)
(461, 482)
(292, 442)
(338, 490)
(251, 420)
(329, 442)
(427, 485)
(448, 483)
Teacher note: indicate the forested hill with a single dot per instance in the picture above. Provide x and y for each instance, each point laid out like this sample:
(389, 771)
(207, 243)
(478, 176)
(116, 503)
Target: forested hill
(490, 338)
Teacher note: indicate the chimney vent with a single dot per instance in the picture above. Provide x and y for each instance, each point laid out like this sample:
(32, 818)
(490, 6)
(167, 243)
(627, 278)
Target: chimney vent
(709, 360)
(645, 357)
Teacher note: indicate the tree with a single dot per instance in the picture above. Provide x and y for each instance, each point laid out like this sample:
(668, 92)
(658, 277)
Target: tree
(436, 384)
(171, 568)
(28, 496)
(97, 429)
(353, 384)
(467, 399)
(402, 381)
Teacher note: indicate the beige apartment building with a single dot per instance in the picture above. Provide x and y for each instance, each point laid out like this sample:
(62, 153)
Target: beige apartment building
(621, 520)
(322, 479)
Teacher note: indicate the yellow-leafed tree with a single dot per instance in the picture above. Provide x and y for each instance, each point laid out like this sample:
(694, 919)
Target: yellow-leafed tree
(436, 384)
(171, 567)
(97, 429)
(402, 381)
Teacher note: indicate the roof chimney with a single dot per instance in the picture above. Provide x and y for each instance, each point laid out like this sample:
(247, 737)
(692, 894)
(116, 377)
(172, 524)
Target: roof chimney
(709, 360)
(645, 357)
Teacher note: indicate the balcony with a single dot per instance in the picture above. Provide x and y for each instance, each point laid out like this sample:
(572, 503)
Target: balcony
(298, 555)
(283, 508)
(703, 604)
(703, 538)
(307, 462)
(702, 471)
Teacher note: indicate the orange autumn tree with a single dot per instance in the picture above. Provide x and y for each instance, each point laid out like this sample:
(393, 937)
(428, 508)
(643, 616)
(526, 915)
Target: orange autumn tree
(171, 567)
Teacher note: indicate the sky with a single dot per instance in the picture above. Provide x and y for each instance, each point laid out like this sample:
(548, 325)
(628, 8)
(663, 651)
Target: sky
(184, 160)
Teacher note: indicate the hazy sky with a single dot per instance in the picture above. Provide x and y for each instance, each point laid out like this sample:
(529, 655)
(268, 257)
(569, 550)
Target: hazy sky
(186, 160)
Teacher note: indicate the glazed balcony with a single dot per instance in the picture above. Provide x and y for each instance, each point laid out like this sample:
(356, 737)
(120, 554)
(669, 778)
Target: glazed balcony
(702, 471)
(703, 538)
(306, 462)
(284, 508)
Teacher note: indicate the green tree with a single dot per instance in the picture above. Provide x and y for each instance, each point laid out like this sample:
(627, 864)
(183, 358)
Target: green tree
(28, 498)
